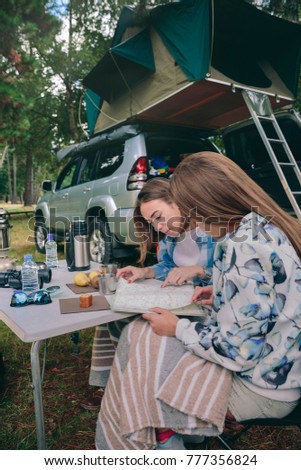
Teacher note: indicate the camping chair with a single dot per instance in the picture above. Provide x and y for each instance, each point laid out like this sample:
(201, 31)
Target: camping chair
(293, 419)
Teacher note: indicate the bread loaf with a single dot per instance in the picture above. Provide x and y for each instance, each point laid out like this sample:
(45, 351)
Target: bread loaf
(85, 300)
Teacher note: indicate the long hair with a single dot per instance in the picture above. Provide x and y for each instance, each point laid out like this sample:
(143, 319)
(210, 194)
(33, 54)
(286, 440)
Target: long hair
(210, 186)
(156, 188)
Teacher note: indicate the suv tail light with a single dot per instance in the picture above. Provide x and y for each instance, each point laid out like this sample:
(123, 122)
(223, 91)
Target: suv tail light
(138, 174)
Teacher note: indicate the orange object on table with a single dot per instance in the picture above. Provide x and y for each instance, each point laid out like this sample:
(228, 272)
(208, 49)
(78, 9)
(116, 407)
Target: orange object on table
(85, 300)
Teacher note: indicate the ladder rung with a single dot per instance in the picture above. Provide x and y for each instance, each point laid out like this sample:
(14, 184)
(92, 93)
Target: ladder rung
(265, 118)
(278, 141)
(296, 193)
(286, 164)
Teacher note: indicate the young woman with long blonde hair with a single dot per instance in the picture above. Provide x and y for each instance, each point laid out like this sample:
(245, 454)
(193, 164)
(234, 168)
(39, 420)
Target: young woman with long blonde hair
(255, 325)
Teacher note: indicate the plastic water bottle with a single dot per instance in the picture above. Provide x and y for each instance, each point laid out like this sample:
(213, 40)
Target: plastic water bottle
(30, 276)
(51, 252)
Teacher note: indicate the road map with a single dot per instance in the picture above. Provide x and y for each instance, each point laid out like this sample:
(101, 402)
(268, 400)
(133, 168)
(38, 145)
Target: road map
(140, 296)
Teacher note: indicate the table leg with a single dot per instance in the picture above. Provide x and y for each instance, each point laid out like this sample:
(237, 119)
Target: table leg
(37, 393)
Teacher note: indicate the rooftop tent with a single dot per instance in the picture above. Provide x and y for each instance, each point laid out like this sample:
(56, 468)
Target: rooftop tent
(170, 74)
(93, 103)
(203, 50)
(245, 39)
(123, 66)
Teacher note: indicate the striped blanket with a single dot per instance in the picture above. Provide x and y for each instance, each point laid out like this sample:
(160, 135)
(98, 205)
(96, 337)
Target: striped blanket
(156, 383)
(105, 342)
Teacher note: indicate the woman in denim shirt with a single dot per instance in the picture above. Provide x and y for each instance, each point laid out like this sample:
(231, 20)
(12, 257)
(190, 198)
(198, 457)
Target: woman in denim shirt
(185, 252)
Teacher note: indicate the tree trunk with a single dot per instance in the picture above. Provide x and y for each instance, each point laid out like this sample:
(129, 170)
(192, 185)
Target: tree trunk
(28, 194)
(71, 113)
(9, 177)
(4, 155)
(14, 194)
(68, 82)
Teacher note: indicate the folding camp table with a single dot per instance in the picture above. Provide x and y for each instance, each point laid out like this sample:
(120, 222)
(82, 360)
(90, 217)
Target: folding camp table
(35, 324)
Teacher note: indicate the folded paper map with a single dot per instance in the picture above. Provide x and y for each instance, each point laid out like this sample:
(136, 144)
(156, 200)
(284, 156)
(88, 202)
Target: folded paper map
(142, 295)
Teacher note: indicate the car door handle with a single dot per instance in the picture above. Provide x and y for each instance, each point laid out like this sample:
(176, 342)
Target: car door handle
(65, 195)
(87, 189)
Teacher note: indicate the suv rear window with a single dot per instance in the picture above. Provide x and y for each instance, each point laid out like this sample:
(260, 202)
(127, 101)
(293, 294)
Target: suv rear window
(109, 159)
(86, 172)
(164, 153)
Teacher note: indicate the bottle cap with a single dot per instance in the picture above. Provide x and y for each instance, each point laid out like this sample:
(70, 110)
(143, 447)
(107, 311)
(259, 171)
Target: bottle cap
(50, 236)
(28, 257)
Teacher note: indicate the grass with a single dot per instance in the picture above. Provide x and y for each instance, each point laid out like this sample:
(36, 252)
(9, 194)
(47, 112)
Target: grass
(22, 234)
(68, 426)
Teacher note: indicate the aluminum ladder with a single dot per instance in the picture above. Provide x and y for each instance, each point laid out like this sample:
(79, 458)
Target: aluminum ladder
(261, 110)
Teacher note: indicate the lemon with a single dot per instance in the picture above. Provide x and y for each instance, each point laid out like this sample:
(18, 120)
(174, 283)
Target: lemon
(81, 279)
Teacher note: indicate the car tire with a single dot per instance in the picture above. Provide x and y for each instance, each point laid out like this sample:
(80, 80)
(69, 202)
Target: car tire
(40, 234)
(100, 241)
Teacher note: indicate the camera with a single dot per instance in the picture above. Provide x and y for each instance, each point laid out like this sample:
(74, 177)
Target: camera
(13, 278)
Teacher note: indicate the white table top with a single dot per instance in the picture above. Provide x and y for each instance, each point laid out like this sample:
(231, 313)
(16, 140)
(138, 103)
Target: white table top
(37, 322)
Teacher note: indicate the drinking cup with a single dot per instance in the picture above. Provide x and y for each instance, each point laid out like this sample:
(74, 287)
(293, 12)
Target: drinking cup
(112, 268)
(107, 284)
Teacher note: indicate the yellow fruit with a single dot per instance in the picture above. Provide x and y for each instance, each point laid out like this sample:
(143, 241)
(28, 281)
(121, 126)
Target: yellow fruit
(81, 279)
(93, 274)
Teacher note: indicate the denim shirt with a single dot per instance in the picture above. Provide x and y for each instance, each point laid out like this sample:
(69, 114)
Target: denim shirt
(165, 256)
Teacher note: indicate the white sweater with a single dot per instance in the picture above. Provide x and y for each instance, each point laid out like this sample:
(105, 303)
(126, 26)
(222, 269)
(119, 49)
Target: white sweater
(255, 325)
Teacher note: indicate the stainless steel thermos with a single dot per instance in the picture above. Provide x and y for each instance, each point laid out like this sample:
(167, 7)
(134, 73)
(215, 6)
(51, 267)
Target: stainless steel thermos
(77, 246)
(4, 234)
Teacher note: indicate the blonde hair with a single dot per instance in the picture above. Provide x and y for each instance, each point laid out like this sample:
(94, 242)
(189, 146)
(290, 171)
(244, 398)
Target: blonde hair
(210, 186)
(157, 188)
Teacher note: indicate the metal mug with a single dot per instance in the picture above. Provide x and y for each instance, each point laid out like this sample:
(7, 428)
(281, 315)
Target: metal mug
(109, 268)
(107, 284)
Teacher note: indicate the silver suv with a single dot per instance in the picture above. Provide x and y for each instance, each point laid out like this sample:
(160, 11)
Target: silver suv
(102, 178)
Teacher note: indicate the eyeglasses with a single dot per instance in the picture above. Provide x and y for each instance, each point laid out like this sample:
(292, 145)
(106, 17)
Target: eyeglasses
(21, 299)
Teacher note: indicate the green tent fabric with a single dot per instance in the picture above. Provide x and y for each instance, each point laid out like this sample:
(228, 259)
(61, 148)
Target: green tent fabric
(93, 103)
(128, 18)
(122, 67)
(213, 44)
(244, 36)
(185, 29)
